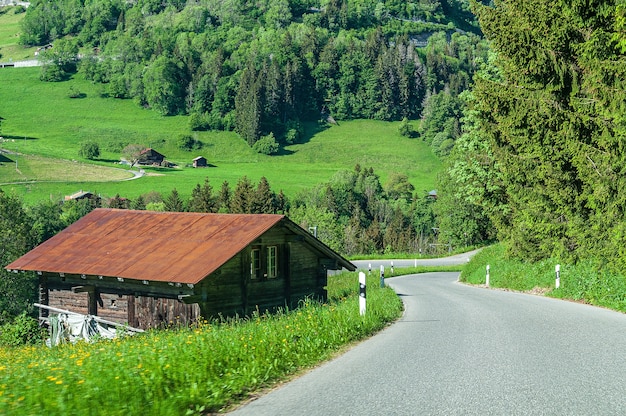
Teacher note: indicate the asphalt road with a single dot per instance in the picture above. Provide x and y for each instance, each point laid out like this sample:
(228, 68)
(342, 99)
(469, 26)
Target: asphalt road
(462, 350)
(443, 261)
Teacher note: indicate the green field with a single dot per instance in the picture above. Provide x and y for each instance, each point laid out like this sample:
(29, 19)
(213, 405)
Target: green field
(42, 120)
(10, 36)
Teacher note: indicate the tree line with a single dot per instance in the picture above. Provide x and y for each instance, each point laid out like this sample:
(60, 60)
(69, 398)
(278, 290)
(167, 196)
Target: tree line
(262, 68)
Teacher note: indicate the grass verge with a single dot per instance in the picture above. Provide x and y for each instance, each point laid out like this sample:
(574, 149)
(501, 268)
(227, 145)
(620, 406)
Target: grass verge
(582, 282)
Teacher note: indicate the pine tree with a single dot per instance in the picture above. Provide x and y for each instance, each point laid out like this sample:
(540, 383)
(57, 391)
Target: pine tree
(224, 198)
(264, 199)
(241, 202)
(139, 203)
(174, 203)
(202, 199)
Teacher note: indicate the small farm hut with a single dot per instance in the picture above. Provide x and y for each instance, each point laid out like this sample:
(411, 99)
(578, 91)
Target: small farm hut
(158, 268)
(199, 162)
(150, 156)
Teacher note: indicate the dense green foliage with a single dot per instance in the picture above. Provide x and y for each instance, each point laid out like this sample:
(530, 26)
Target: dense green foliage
(197, 370)
(542, 152)
(258, 68)
(22, 330)
(16, 238)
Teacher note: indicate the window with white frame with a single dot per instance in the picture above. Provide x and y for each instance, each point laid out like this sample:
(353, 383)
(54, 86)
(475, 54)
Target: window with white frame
(255, 263)
(272, 262)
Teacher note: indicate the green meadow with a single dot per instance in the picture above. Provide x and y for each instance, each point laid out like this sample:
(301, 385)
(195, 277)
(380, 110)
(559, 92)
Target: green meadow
(41, 120)
(10, 49)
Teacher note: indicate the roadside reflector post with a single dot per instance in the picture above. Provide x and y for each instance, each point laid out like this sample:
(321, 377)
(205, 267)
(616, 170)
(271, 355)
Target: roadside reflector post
(362, 293)
(369, 268)
(487, 277)
(382, 276)
(557, 270)
(392, 268)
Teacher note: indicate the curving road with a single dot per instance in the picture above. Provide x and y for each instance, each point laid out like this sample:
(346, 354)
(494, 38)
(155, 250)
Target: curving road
(462, 350)
(457, 259)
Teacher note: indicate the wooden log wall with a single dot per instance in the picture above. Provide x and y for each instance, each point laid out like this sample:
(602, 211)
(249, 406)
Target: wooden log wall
(146, 312)
(114, 307)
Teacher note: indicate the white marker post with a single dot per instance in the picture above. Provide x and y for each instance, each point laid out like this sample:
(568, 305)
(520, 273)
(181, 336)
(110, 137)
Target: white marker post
(369, 268)
(362, 294)
(557, 270)
(392, 268)
(382, 276)
(415, 262)
(487, 277)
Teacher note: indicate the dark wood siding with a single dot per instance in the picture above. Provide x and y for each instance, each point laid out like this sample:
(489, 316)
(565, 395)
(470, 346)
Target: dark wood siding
(221, 293)
(113, 307)
(146, 312)
(308, 278)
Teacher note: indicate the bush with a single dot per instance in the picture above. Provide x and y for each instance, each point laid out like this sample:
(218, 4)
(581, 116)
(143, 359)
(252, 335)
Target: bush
(188, 143)
(52, 73)
(199, 122)
(266, 145)
(89, 150)
(406, 128)
(23, 330)
(75, 92)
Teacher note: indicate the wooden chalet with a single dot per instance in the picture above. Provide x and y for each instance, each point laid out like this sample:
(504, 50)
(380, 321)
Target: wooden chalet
(150, 156)
(160, 268)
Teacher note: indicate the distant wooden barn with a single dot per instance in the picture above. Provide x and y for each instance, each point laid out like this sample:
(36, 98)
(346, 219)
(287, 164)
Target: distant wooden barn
(159, 268)
(200, 162)
(150, 157)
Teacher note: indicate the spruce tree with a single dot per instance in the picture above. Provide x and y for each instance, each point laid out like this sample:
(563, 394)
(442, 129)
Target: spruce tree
(202, 199)
(173, 202)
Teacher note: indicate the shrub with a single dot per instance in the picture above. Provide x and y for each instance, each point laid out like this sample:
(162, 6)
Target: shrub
(155, 206)
(199, 122)
(52, 73)
(266, 145)
(406, 128)
(75, 92)
(89, 150)
(188, 143)
(23, 330)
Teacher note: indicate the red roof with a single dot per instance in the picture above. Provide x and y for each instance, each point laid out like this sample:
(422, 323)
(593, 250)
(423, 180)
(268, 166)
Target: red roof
(179, 247)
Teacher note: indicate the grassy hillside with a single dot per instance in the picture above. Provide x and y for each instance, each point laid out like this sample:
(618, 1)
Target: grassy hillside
(42, 120)
(10, 36)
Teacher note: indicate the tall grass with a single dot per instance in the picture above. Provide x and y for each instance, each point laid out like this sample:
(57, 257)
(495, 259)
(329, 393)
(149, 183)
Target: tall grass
(583, 282)
(190, 371)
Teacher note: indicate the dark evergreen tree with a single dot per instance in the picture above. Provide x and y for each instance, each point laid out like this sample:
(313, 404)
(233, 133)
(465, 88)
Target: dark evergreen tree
(173, 202)
(202, 198)
(264, 199)
(224, 198)
(139, 203)
(241, 201)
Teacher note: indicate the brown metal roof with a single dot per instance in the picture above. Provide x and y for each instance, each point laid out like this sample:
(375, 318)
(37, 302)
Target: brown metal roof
(146, 245)
(178, 247)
